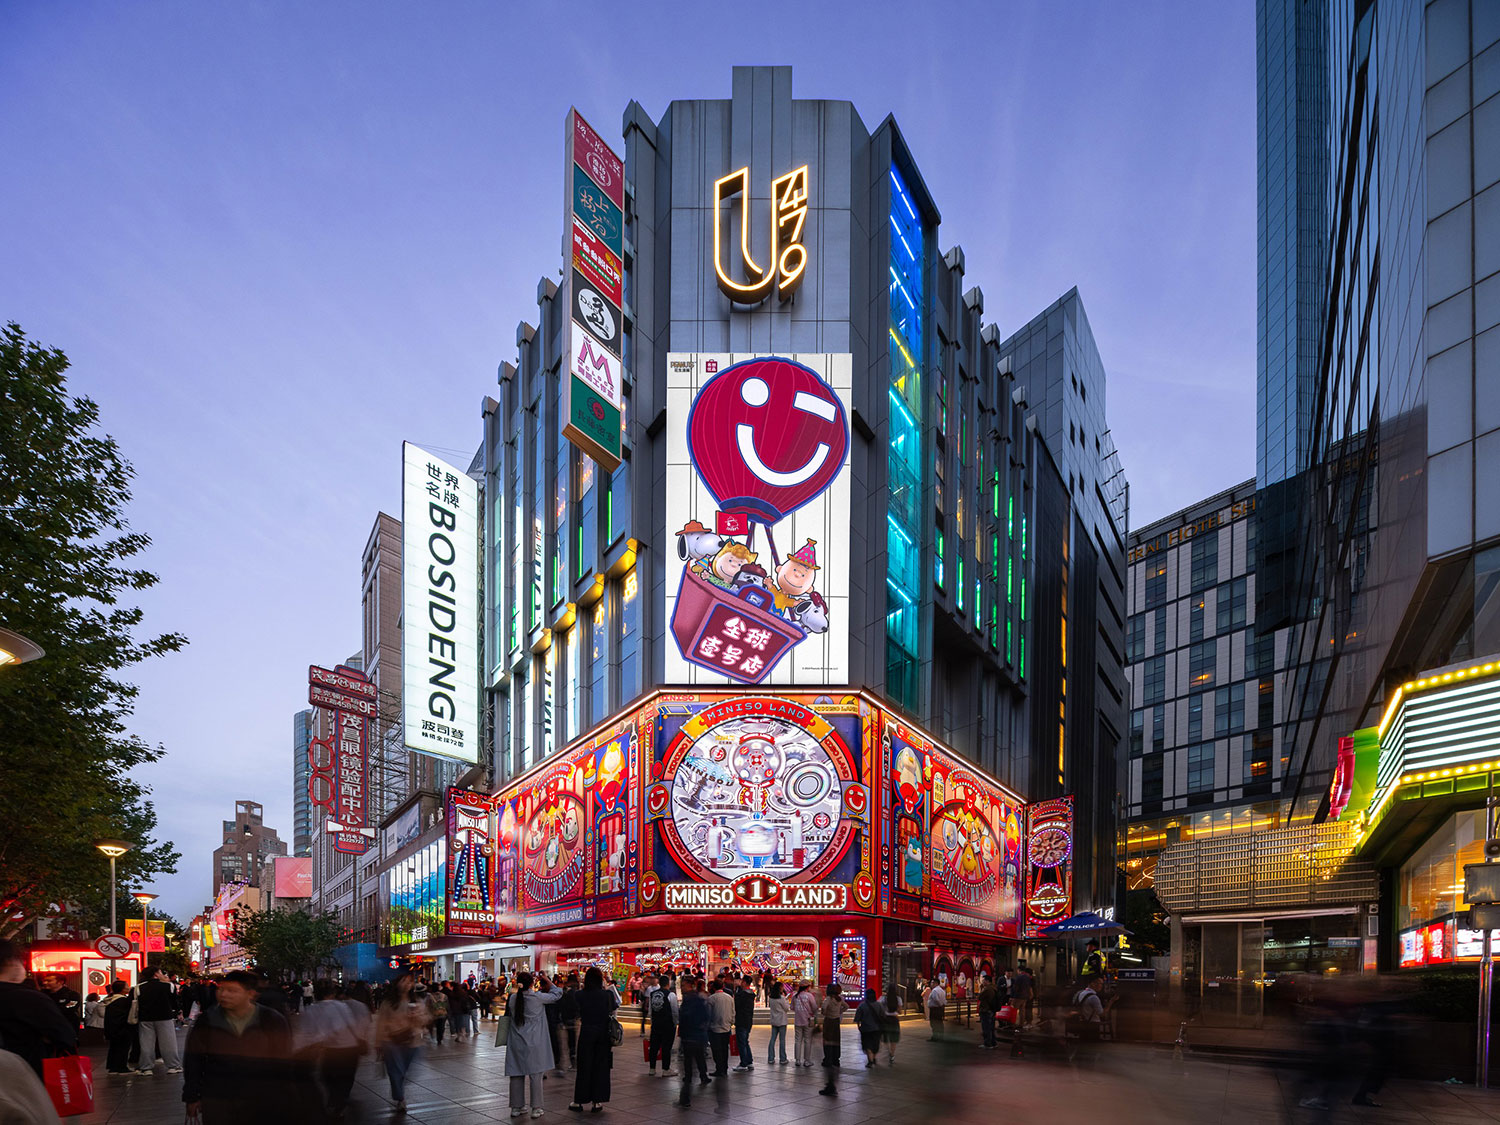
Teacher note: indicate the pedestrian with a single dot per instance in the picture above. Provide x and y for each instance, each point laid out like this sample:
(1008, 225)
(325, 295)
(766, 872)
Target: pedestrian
(331, 1038)
(832, 1012)
(23, 1098)
(471, 1010)
(555, 1033)
(720, 1025)
(744, 1020)
(235, 1062)
(1023, 992)
(567, 1018)
(1090, 1019)
(399, 1021)
(988, 1002)
(890, 1013)
(596, 1006)
(693, 1017)
(661, 1003)
(528, 1050)
(31, 1024)
(92, 1018)
(937, 1001)
(805, 1022)
(156, 1015)
(781, 1011)
(436, 1005)
(68, 1001)
(870, 1022)
(1093, 961)
(118, 1032)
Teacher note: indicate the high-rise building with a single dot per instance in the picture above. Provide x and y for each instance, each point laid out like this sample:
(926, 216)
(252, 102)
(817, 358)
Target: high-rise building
(302, 809)
(248, 846)
(969, 570)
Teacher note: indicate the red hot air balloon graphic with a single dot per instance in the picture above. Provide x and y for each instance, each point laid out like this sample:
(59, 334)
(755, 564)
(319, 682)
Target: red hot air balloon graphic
(765, 436)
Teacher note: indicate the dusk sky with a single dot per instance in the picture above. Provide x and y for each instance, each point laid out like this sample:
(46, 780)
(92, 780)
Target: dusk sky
(276, 239)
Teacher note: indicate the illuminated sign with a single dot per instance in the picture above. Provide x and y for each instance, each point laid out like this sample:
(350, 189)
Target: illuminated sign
(471, 905)
(339, 765)
(756, 892)
(440, 622)
(1354, 772)
(342, 689)
(849, 965)
(593, 406)
(787, 261)
(1236, 511)
(1470, 943)
(1049, 863)
(758, 514)
(293, 876)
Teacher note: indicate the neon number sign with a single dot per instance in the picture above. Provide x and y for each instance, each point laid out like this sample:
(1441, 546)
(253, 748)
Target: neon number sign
(788, 260)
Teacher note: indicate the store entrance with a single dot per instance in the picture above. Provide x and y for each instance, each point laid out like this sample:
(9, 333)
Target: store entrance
(787, 959)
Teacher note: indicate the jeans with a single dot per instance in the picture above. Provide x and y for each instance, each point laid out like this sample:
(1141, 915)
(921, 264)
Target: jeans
(742, 1041)
(158, 1035)
(693, 1055)
(935, 1015)
(803, 1048)
(660, 1043)
(987, 1027)
(518, 1090)
(778, 1035)
(397, 1063)
(336, 1072)
(719, 1041)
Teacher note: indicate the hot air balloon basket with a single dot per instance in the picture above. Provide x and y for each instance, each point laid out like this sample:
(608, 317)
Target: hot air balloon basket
(735, 635)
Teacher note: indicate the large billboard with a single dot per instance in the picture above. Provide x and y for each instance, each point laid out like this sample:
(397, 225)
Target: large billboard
(757, 512)
(293, 878)
(1049, 863)
(440, 622)
(744, 801)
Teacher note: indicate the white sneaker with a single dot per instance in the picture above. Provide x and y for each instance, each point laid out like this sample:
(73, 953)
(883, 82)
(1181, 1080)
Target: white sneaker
(174, 1070)
(537, 1113)
(517, 1112)
(669, 1074)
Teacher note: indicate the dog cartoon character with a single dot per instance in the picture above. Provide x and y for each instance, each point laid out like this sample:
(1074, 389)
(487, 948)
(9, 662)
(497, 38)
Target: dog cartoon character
(696, 545)
(751, 574)
(811, 613)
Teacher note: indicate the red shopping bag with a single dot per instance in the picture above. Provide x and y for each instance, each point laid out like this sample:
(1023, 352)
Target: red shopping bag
(646, 1049)
(70, 1082)
(1007, 1014)
(734, 1044)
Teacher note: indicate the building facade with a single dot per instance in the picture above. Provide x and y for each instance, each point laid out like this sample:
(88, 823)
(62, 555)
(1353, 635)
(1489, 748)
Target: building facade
(972, 552)
(247, 849)
(302, 807)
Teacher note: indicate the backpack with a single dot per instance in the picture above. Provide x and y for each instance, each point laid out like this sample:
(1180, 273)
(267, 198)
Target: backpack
(440, 1006)
(658, 1000)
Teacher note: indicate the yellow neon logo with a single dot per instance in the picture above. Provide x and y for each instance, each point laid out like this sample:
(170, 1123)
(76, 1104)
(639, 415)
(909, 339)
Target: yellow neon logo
(788, 260)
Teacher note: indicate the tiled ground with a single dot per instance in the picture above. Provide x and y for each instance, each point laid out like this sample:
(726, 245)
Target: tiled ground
(464, 1082)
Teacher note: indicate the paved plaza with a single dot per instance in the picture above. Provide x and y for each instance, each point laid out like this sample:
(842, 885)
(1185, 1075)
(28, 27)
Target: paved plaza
(464, 1082)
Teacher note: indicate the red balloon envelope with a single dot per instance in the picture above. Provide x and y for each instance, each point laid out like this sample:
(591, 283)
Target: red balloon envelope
(767, 436)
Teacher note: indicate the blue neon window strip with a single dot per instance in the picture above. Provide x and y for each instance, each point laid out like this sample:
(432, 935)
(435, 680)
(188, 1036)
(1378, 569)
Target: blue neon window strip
(901, 191)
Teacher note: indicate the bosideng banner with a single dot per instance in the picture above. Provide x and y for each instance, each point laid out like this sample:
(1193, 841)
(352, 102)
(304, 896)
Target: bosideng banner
(440, 623)
(757, 513)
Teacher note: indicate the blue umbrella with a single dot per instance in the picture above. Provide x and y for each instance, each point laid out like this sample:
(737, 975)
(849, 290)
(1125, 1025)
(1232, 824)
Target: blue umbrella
(1086, 923)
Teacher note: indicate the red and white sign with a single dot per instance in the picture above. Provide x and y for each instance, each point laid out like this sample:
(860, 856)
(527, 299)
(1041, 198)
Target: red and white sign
(340, 690)
(597, 262)
(753, 891)
(595, 157)
(113, 946)
(596, 366)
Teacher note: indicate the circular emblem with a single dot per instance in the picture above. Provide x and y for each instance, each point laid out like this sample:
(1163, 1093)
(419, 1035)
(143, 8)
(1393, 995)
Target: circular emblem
(854, 797)
(650, 884)
(599, 411)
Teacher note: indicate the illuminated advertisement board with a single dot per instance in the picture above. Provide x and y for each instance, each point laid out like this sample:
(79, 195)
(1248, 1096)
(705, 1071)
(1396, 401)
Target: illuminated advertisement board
(754, 802)
(440, 599)
(293, 876)
(757, 513)
(1049, 863)
(415, 898)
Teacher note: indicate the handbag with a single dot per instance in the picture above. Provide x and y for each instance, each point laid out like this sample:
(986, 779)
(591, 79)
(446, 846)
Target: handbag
(502, 1030)
(70, 1084)
(135, 1005)
(616, 1032)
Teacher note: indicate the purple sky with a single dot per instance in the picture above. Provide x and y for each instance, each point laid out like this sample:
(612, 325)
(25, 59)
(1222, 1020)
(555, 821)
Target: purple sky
(276, 239)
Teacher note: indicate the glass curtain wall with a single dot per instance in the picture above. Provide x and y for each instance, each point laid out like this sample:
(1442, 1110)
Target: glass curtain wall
(904, 461)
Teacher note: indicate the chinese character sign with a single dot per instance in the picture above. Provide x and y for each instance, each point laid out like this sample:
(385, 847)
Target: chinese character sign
(440, 597)
(757, 512)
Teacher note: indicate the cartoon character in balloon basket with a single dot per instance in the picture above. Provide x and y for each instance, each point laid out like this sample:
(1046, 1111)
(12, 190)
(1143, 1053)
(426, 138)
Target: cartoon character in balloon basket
(732, 566)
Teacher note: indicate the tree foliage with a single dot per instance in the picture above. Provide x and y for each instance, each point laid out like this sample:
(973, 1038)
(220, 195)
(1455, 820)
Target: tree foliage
(284, 942)
(65, 582)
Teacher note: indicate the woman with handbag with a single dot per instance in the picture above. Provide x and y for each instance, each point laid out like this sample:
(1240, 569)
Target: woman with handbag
(528, 1043)
(596, 1038)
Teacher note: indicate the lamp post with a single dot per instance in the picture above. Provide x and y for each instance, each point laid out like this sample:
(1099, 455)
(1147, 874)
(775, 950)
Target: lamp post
(114, 849)
(16, 649)
(145, 898)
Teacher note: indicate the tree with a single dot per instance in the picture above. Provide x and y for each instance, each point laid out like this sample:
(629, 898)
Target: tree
(285, 942)
(65, 579)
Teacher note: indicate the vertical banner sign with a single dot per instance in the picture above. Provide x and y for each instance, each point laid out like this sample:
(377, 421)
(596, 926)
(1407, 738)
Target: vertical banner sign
(156, 937)
(472, 906)
(594, 218)
(339, 766)
(758, 513)
(440, 600)
(1049, 863)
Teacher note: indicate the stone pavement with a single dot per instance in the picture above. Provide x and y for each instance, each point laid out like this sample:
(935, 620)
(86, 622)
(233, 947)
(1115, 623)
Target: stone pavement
(464, 1081)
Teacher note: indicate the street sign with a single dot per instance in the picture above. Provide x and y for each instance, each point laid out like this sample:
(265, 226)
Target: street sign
(1136, 974)
(113, 946)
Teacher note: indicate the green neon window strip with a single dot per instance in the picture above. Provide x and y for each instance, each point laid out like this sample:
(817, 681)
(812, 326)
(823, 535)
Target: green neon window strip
(1023, 538)
(1023, 658)
(960, 583)
(1010, 517)
(1010, 580)
(1023, 597)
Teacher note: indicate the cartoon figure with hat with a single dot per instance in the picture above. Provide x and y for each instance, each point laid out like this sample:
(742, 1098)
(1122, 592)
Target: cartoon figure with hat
(794, 577)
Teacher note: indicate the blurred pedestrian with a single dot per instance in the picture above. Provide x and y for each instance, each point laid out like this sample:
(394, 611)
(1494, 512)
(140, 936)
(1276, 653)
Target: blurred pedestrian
(399, 1021)
(890, 1013)
(937, 1002)
(662, 1003)
(236, 1059)
(1023, 993)
(805, 1022)
(744, 1020)
(156, 1022)
(23, 1098)
(596, 1005)
(720, 1025)
(1089, 1023)
(331, 1037)
(31, 1023)
(692, 1025)
(781, 1013)
(567, 1020)
(988, 1002)
(870, 1022)
(832, 1012)
(118, 1031)
(528, 1050)
(436, 1005)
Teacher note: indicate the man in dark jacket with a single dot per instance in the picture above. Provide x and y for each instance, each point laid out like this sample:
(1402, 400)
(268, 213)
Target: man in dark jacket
(692, 1028)
(156, 1015)
(238, 1059)
(744, 1019)
(118, 1032)
(31, 1024)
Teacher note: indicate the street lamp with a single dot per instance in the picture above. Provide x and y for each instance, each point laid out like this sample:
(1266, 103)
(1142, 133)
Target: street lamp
(114, 849)
(145, 898)
(16, 649)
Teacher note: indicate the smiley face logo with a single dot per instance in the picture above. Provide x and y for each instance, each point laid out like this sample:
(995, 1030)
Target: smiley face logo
(767, 436)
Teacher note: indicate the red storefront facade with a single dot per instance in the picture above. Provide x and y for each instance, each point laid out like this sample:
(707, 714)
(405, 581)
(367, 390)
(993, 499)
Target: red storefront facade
(811, 833)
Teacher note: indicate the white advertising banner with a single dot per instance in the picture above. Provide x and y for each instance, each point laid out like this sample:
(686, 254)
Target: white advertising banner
(757, 507)
(440, 599)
